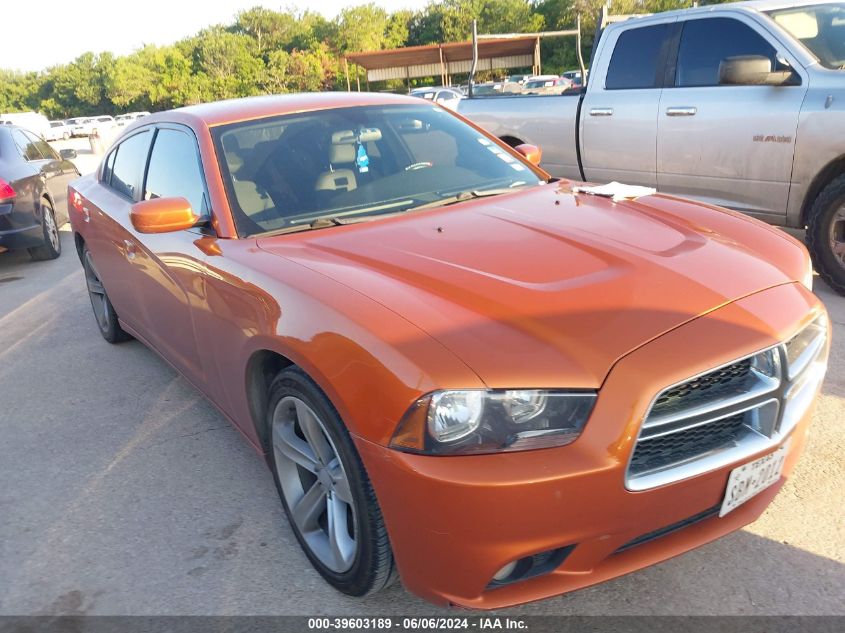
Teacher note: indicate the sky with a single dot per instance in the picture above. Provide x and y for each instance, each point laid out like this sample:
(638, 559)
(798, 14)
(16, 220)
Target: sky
(41, 33)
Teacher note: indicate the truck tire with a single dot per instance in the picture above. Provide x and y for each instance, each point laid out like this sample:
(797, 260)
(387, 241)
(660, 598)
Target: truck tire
(826, 234)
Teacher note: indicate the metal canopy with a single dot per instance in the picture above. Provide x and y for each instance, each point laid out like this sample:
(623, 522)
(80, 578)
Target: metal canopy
(446, 59)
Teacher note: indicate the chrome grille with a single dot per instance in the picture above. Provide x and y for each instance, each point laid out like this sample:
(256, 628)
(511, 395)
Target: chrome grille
(729, 412)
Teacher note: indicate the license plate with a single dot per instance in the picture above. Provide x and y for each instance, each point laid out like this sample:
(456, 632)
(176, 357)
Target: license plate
(751, 478)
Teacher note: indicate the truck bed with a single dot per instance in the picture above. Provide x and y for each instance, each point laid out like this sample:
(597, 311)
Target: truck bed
(547, 121)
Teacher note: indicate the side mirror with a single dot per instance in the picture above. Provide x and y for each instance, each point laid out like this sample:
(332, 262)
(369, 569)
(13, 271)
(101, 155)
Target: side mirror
(67, 154)
(531, 153)
(752, 70)
(163, 215)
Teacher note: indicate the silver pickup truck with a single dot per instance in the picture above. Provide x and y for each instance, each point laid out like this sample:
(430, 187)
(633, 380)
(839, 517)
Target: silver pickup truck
(740, 105)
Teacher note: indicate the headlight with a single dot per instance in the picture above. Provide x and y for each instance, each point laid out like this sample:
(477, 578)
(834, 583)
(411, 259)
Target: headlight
(476, 421)
(808, 275)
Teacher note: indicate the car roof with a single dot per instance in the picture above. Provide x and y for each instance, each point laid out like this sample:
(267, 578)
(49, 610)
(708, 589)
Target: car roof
(748, 5)
(233, 110)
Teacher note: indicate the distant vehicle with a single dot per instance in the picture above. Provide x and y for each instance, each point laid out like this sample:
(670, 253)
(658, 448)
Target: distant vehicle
(732, 104)
(575, 77)
(447, 97)
(487, 89)
(33, 192)
(518, 79)
(549, 86)
(58, 130)
(125, 119)
(102, 124)
(32, 121)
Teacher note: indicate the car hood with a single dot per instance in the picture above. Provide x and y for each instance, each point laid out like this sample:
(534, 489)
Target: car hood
(547, 288)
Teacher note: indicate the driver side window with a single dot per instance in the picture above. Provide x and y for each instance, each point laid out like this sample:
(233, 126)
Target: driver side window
(175, 171)
(706, 42)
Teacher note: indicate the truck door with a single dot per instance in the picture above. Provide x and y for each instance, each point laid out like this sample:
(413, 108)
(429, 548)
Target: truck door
(619, 113)
(730, 145)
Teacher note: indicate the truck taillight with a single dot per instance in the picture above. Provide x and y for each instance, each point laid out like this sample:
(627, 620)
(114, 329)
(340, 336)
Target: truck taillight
(6, 191)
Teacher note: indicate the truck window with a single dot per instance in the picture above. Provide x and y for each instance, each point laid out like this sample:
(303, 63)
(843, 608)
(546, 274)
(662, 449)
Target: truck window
(705, 43)
(637, 58)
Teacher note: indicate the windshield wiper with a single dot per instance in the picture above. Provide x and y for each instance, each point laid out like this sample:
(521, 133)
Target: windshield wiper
(463, 196)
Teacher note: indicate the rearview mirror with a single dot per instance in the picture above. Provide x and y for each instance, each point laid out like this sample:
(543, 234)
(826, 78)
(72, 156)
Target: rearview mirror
(163, 215)
(531, 153)
(752, 70)
(67, 154)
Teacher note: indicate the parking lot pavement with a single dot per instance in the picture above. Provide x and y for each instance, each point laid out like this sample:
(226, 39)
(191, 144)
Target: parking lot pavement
(86, 160)
(125, 492)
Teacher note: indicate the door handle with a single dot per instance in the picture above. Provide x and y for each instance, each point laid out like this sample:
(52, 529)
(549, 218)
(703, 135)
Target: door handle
(681, 111)
(129, 248)
(601, 111)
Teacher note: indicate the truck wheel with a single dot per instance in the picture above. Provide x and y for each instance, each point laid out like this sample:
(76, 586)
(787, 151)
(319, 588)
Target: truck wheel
(826, 234)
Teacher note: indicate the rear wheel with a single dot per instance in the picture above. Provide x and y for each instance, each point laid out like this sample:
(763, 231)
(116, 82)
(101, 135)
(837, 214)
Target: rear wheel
(104, 313)
(52, 246)
(826, 234)
(324, 488)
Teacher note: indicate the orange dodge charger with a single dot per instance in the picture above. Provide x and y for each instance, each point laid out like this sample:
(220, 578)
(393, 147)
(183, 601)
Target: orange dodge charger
(462, 372)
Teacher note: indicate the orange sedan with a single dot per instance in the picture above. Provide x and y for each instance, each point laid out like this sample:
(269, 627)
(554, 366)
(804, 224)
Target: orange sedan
(461, 372)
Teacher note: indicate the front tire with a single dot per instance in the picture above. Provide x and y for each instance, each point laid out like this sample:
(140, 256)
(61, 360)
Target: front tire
(52, 246)
(826, 234)
(104, 313)
(324, 488)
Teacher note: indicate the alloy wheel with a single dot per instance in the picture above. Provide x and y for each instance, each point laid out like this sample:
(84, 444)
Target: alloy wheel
(97, 293)
(51, 229)
(837, 236)
(315, 484)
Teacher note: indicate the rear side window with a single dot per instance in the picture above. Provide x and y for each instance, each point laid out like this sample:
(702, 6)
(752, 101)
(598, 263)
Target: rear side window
(43, 147)
(705, 43)
(129, 165)
(174, 170)
(636, 59)
(26, 145)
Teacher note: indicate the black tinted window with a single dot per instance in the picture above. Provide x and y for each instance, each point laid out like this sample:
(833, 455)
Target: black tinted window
(705, 43)
(43, 147)
(636, 58)
(129, 165)
(26, 145)
(174, 169)
(109, 167)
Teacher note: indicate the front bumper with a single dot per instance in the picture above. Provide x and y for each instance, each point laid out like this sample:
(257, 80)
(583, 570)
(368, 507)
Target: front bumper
(455, 521)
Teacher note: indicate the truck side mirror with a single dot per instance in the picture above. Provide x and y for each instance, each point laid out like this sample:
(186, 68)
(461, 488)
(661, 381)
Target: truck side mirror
(754, 70)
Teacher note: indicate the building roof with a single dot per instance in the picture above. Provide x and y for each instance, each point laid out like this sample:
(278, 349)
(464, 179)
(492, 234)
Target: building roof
(435, 59)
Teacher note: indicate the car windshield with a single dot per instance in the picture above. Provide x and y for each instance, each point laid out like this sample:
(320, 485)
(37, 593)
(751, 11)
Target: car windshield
(820, 28)
(352, 164)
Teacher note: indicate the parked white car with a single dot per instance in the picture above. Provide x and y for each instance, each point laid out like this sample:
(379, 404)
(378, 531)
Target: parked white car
(125, 119)
(447, 97)
(59, 130)
(102, 124)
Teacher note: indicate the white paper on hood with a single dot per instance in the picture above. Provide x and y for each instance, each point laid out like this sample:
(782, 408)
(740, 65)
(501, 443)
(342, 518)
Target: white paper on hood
(617, 191)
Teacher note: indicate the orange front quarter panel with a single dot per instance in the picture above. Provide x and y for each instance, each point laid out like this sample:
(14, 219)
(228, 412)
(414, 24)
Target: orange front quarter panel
(369, 361)
(454, 521)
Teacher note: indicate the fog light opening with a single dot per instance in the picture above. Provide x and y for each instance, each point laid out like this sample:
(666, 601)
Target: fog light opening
(530, 566)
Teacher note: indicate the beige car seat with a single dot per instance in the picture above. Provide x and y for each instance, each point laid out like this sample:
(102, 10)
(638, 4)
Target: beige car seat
(341, 152)
(251, 199)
